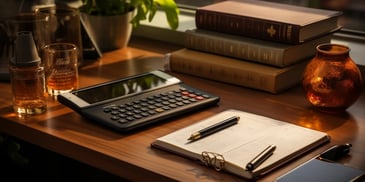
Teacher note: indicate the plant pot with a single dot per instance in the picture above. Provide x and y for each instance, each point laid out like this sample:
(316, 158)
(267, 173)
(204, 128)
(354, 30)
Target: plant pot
(109, 32)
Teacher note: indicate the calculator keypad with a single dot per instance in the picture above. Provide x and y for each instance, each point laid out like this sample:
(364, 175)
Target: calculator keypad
(152, 105)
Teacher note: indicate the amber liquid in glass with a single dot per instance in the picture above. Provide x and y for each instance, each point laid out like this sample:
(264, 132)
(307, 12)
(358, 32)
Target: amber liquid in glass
(62, 80)
(28, 87)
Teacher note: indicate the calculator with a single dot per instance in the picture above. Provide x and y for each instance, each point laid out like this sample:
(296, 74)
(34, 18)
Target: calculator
(137, 101)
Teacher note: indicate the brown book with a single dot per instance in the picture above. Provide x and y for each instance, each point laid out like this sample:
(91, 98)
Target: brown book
(267, 20)
(234, 71)
(262, 51)
(232, 148)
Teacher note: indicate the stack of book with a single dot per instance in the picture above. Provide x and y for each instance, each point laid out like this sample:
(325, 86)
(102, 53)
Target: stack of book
(252, 43)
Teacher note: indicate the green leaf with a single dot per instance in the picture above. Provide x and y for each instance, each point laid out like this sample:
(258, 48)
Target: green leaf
(145, 9)
(171, 10)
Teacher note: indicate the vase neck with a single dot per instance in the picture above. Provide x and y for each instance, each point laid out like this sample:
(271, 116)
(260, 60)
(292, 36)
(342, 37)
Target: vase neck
(333, 52)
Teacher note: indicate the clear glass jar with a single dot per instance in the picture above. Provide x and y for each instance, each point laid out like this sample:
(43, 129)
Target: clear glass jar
(28, 87)
(27, 77)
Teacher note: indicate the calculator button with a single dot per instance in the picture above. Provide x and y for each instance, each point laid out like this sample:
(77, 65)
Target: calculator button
(123, 121)
(137, 111)
(172, 105)
(151, 102)
(185, 93)
(186, 101)
(107, 109)
(192, 100)
(129, 118)
(129, 113)
(198, 93)
(166, 108)
(158, 105)
(152, 105)
(152, 112)
(122, 115)
(137, 116)
(180, 103)
(114, 112)
(206, 96)
(115, 117)
(159, 110)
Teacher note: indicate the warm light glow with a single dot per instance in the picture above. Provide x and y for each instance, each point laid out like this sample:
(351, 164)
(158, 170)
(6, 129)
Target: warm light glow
(312, 122)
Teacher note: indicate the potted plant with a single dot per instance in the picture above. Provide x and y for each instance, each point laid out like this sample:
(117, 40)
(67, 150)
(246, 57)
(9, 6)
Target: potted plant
(110, 22)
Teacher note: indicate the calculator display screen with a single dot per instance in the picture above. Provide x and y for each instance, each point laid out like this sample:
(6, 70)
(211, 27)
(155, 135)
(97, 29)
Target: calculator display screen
(121, 88)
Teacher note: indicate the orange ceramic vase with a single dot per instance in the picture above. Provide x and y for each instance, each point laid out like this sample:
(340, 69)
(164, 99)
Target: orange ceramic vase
(332, 81)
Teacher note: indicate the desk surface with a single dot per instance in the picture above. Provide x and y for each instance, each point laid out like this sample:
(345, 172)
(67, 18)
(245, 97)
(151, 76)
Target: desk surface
(129, 155)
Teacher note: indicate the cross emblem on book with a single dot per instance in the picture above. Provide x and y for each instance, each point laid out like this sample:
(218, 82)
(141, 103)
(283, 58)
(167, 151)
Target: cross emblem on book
(271, 31)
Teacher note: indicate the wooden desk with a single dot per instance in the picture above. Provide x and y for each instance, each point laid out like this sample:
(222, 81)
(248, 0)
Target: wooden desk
(129, 155)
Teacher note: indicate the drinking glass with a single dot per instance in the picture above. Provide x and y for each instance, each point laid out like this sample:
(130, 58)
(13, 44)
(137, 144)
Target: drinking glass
(60, 63)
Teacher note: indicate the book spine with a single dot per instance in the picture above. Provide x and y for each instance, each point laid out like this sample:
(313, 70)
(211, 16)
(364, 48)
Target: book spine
(247, 26)
(235, 48)
(233, 71)
(214, 69)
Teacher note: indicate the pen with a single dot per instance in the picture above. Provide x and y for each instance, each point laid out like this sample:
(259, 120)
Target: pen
(260, 158)
(335, 152)
(214, 128)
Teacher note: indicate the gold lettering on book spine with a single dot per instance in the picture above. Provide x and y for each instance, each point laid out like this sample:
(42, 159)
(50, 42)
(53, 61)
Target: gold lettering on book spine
(212, 159)
(271, 31)
(289, 31)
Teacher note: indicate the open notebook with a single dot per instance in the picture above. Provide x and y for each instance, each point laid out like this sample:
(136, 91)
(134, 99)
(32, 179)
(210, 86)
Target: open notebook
(232, 148)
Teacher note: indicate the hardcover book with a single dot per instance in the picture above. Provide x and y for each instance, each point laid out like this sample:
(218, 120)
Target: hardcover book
(256, 50)
(234, 71)
(267, 20)
(232, 148)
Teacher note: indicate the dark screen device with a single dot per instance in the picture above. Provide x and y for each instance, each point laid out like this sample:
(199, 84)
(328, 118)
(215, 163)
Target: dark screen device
(325, 168)
(136, 101)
